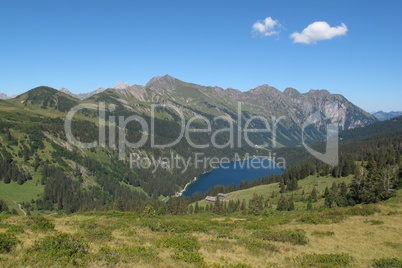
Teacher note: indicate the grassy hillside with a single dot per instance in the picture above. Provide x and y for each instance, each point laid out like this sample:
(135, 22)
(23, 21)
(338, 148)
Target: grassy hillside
(342, 237)
(15, 194)
(306, 185)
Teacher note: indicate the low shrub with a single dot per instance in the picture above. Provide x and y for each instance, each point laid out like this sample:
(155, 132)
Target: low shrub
(374, 222)
(185, 248)
(366, 210)
(256, 245)
(295, 237)
(127, 254)
(313, 218)
(40, 223)
(325, 260)
(227, 265)
(180, 242)
(15, 229)
(322, 233)
(7, 242)
(174, 225)
(58, 249)
(387, 263)
(98, 234)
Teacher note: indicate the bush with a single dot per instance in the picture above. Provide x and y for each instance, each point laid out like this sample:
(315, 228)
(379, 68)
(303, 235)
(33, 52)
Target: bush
(185, 248)
(98, 234)
(128, 254)
(256, 245)
(387, 263)
(40, 223)
(7, 242)
(227, 265)
(326, 260)
(366, 210)
(374, 222)
(58, 249)
(296, 237)
(174, 225)
(313, 218)
(15, 229)
(322, 233)
(180, 242)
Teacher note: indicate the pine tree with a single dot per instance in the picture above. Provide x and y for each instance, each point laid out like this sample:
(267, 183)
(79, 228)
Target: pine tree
(283, 204)
(292, 185)
(190, 209)
(291, 204)
(344, 190)
(326, 192)
(282, 186)
(243, 205)
(197, 207)
(329, 200)
(218, 206)
(334, 188)
(255, 205)
(314, 195)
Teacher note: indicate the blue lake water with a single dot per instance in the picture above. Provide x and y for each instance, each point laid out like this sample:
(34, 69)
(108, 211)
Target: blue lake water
(234, 173)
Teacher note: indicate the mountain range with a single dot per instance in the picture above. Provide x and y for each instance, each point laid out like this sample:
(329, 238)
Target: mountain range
(81, 96)
(262, 100)
(382, 116)
(34, 137)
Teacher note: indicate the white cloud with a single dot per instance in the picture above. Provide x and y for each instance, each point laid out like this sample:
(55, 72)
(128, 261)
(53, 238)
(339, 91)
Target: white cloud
(316, 31)
(267, 27)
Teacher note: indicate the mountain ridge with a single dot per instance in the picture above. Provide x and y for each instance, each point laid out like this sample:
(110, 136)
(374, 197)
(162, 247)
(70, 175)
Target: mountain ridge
(382, 116)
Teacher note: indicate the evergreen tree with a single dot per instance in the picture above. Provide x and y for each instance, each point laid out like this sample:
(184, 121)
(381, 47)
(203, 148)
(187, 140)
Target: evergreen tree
(314, 195)
(334, 188)
(282, 186)
(283, 204)
(197, 207)
(243, 205)
(344, 190)
(255, 205)
(218, 206)
(291, 204)
(326, 192)
(329, 200)
(190, 209)
(292, 185)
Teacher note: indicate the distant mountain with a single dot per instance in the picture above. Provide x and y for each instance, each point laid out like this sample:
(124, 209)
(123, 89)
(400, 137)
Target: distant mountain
(382, 116)
(81, 96)
(3, 96)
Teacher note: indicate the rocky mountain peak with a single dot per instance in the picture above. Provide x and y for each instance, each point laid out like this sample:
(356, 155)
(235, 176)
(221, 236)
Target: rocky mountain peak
(121, 85)
(264, 89)
(3, 96)
(164, 83)
(291, 92)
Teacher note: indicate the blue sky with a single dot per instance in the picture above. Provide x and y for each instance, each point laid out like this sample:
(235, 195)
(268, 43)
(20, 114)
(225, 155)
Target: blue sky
(84, 45)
